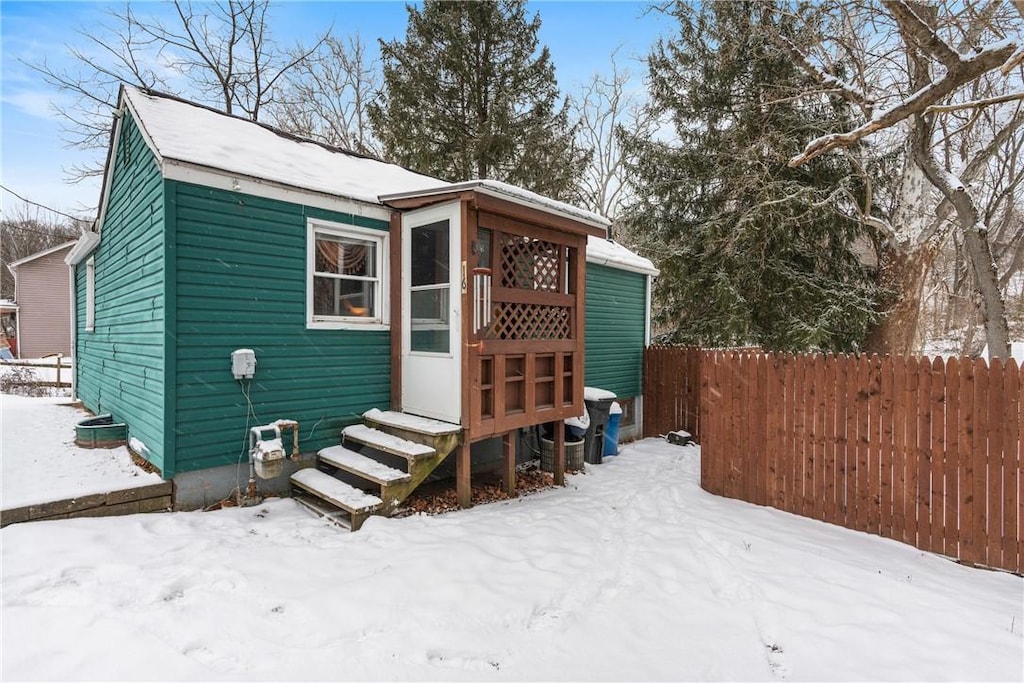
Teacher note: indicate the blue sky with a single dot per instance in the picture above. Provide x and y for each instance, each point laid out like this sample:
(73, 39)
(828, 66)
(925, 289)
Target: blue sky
(580, 35)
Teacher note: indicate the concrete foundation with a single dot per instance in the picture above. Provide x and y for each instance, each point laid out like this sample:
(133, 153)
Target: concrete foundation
(203, 488)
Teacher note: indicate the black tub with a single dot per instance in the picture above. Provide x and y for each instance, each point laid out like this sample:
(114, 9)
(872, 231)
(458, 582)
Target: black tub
(101, 432)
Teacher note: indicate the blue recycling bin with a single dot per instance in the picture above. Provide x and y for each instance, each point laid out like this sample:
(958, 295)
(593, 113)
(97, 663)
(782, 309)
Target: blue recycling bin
(611, 430)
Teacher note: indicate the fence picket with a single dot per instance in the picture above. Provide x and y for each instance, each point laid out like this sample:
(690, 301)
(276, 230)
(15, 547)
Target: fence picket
(1020, 468)
(923, 456)
(760, 436)
(885, 451)
(864, 494)
(705, 407)
(951, 464)
(829, 436)
(788, 445)
(1011, 467)
(926, 452)
(994, 467)
(937, 493)
(874, 444)
(844, 422)
(980, 460)
(968, 549)
(776, 429)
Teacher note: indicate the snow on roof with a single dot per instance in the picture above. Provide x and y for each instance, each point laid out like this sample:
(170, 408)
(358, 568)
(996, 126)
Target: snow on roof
(496, 188)
(610, 253)
(185, 132)
(190, 133)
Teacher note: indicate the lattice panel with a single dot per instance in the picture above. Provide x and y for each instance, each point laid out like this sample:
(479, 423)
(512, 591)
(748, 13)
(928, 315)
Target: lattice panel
(530, 264)
(530, 322)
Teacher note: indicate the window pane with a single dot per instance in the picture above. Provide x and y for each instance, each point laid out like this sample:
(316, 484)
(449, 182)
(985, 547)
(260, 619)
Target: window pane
(483, 248)
(430, 254)
(429, 326)
(345, 256)
(349, 298)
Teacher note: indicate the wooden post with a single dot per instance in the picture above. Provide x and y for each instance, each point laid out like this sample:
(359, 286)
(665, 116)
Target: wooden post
(509, 443)
(395, 294)
(559, 447)
(60, 361)
(463, 475)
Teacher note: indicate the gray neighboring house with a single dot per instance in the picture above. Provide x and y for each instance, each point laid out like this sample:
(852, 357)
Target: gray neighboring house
(42, 290)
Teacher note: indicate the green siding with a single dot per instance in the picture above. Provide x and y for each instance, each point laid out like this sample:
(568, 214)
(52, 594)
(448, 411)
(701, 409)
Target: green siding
(120, 365)
(615, 309)
(241, 283)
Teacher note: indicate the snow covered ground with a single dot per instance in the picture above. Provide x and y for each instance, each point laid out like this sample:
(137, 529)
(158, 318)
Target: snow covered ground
(39, 461)
(632, 572)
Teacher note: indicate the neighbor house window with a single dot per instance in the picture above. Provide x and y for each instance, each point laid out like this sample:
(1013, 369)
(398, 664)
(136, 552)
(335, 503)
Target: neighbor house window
(90, 294)
(345, 283)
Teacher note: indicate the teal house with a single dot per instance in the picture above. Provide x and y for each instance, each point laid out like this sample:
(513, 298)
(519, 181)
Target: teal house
(239, 277)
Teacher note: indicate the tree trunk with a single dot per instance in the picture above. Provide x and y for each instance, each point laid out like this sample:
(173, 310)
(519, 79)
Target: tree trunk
(979, 251)
(903, 272)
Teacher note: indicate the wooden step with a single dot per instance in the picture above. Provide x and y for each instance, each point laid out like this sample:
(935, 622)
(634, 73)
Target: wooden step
(388, 443)
(358, 504)
(322, 509)
(411, 423)
(361, 466)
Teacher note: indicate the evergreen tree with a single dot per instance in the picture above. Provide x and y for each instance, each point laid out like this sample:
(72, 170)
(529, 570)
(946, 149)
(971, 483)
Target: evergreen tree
(468, 95)
(750, 250)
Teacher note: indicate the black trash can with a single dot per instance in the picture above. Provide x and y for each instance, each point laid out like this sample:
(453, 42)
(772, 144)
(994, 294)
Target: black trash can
(599, 403)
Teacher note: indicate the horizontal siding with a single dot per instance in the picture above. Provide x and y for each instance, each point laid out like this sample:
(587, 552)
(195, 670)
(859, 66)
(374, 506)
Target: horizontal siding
(615, 316)
(43, 294)
(120, 365)
(240, 283)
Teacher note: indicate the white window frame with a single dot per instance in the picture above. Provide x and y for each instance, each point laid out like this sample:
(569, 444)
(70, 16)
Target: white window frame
(382, 293)
(90, 294)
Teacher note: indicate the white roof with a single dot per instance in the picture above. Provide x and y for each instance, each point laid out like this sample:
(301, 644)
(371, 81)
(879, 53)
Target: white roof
(184, 132)
(187, 133)
(496, 188)
(40, 254)
(193, 134)
(610, 253)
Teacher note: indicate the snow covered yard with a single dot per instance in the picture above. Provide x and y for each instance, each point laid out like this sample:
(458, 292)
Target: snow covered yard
(40, 462)
(632, 572)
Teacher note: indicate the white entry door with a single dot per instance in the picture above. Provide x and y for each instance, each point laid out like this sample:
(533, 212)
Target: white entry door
(431, 319)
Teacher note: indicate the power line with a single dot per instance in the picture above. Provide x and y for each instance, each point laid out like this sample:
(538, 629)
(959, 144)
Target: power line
(41, 206)
(56, 231)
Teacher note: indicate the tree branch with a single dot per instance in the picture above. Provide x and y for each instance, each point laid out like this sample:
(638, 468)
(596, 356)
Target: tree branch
(964, 71)
(974, 104)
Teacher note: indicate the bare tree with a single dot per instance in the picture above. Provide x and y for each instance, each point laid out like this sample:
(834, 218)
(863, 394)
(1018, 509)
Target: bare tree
(220, 53)
(325, 96)
(602, 106)
(26, 229)
(944, 52)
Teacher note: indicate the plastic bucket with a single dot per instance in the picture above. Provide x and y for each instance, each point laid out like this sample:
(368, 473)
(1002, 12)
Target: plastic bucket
(611, 430)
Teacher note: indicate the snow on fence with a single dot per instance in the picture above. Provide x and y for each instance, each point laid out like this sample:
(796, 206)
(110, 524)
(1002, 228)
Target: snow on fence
(927, 452)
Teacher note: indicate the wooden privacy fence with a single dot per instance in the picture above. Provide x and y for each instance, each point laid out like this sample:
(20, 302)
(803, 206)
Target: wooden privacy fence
(921, 451)
(671, 390)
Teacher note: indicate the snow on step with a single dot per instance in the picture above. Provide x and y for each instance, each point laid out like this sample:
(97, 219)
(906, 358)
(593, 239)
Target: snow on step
(350, 461)
(389, 443)
(413, 423)
(337, 492)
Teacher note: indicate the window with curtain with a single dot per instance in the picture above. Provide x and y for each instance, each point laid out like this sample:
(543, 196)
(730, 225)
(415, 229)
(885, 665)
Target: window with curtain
(345, 280)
